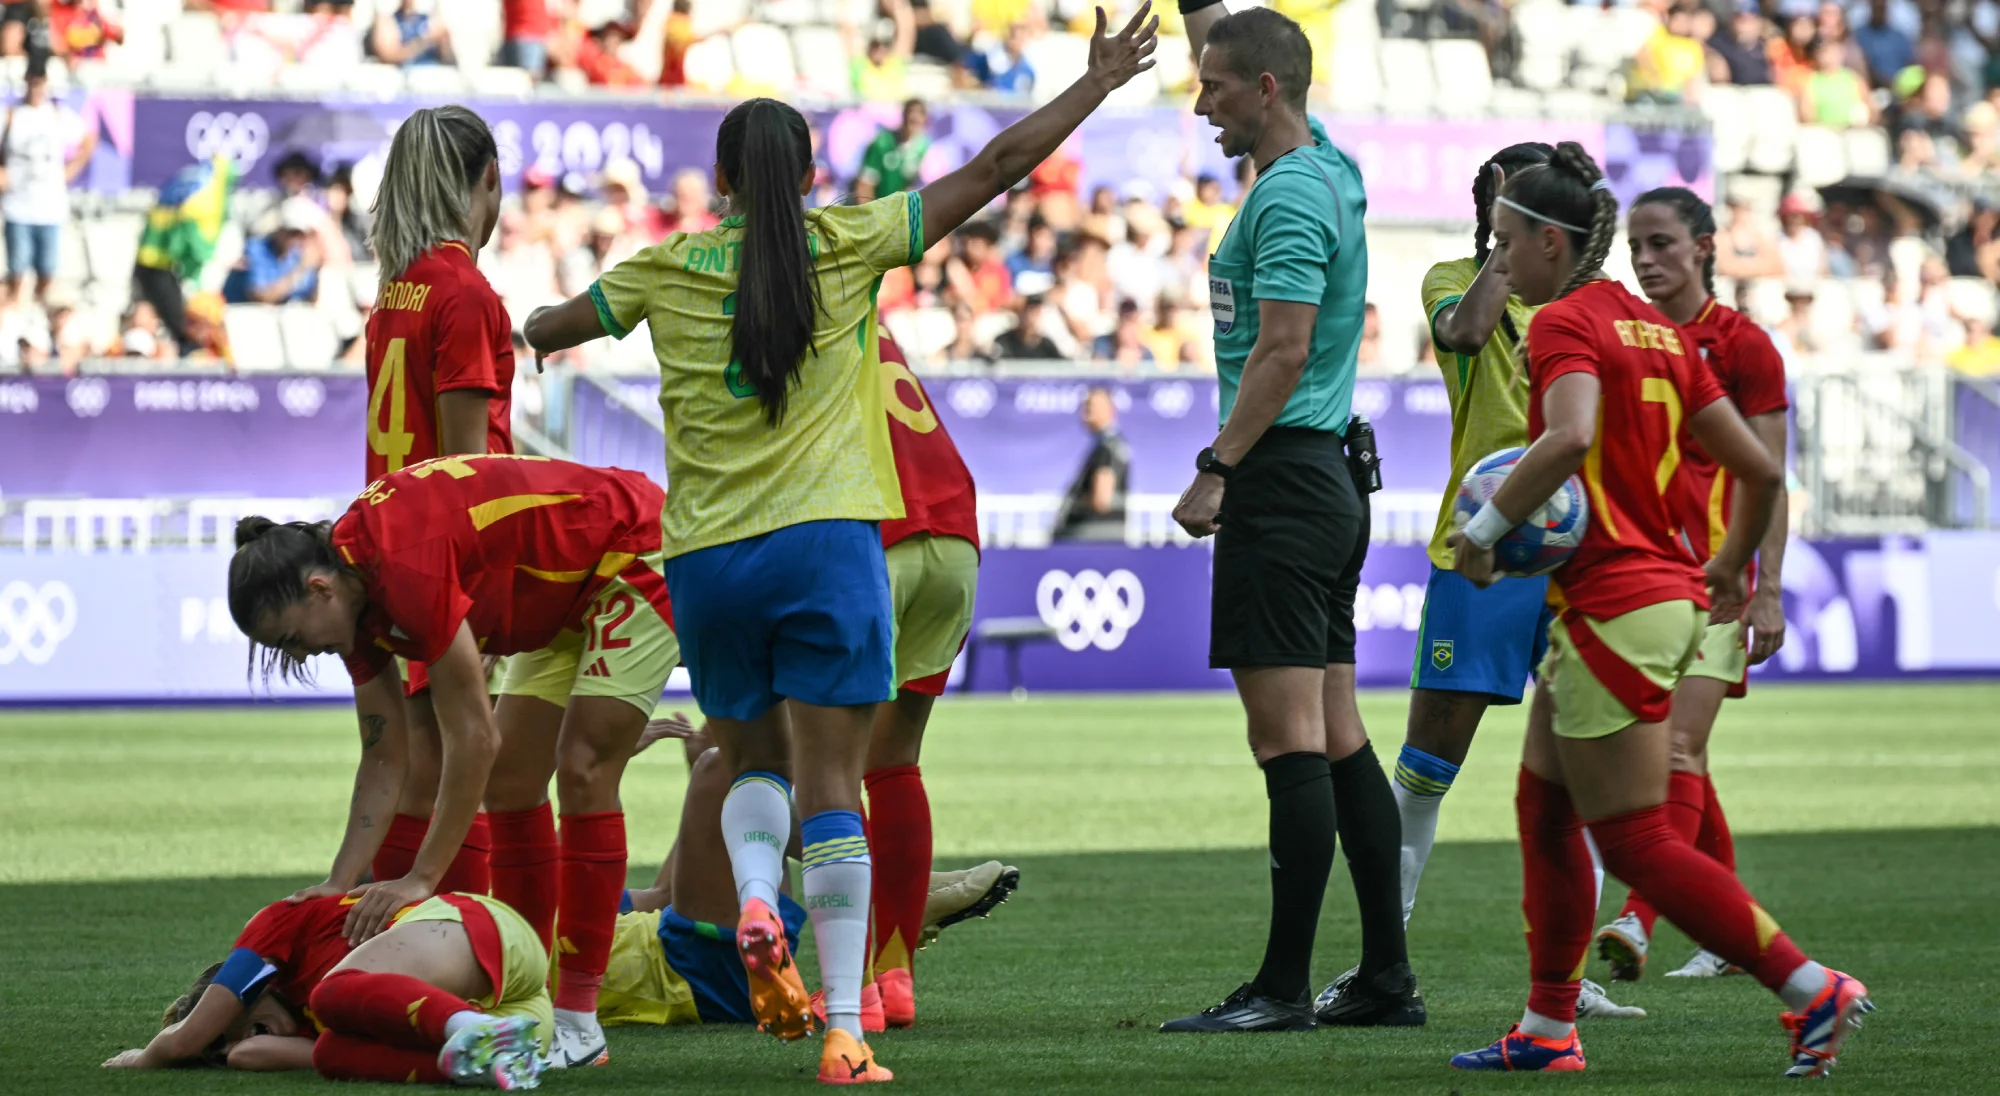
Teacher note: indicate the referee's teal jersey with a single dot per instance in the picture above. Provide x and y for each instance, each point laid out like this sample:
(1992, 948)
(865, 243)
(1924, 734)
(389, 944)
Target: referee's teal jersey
(1298, 237)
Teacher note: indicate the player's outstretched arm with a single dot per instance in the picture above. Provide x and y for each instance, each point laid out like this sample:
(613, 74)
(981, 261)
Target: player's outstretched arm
(1199, 16)
(1759, 478)
(188, 1039)
(1569, 407)
(378, 780)
(554, 328)
(1021, 147)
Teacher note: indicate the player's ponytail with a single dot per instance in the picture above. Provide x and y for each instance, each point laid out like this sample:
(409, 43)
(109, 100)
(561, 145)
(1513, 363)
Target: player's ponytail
(1510, 160)
(765, 152)
(425, 198)
(1697, 215)
(1571, 194)
(268, 573)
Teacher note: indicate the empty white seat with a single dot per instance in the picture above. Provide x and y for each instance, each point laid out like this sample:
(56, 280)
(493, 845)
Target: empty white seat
(1464, 80)
(501, 80)
(789, 13)
(1356, 85)
(1408, 83)
(764, 57)
(312, 78)
(375, 80)
(1971, 298)
(1726, 109)
(1174, 63)
(709, 65)
(1867, 152)
(1058, 59)
(254, 340)
(195, 38)
(112, 246)
(1774, 126)
(927, 80)
(308, 337)
(717, 16)
(434, 80)
(1822, 156)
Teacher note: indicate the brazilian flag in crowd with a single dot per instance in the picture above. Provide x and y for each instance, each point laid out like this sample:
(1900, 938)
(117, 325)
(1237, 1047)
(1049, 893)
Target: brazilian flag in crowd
(186, 221)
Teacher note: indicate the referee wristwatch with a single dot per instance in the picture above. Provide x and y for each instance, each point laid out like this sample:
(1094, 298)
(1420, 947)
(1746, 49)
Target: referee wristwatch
(1207, 462)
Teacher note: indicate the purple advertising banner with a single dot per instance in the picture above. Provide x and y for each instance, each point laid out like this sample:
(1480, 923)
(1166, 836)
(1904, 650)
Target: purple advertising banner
(133, 437)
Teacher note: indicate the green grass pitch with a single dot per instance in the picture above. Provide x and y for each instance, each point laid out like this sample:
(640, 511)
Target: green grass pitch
(138, 841)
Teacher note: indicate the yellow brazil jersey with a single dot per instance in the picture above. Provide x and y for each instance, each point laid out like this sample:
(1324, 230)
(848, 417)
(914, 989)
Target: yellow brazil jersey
(730, 474)
(1489, 390)
(639, 987)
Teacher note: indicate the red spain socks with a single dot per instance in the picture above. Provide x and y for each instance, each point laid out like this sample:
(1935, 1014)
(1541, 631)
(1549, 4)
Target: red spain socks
(1696, 893)
(388, 1008)
(899, 842)
(470, 872)
(593, 880)
(340, 1057)
(1558, 894)
(399, 847)
(1715, 839)
(524, 857)
(1687, 797)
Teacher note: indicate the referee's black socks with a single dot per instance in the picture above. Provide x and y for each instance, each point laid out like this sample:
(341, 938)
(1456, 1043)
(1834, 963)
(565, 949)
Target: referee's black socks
(1303, 826)
(1371, 834)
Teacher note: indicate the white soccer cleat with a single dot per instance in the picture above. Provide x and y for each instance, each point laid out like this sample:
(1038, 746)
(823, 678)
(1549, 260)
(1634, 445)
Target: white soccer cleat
(956, 896)
(579, 1041)
(496, 1052)
(1592, 1003)
(1705, 964)
(1623, 944)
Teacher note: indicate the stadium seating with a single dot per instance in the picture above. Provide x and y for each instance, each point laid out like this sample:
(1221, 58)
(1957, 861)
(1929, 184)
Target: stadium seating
(255, 338)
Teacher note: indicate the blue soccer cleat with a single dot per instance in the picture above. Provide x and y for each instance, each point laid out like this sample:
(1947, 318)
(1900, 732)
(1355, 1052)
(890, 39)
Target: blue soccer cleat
(1518, 1051)
(1818, 1032)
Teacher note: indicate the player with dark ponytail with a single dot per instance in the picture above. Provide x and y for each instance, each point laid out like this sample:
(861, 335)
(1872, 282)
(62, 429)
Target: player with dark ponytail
(1672, 236)
(1615, 385)
(1478, 646)
(778, 450)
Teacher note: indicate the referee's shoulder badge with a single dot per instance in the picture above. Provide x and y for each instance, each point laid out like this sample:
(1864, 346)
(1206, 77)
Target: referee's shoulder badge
(1441, 654)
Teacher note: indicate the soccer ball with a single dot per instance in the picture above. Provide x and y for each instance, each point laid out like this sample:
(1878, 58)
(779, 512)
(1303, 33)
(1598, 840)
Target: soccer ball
(1548, 537)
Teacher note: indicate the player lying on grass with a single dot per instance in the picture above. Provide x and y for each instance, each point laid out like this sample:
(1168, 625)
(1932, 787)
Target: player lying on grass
(452, 991)
(1672, 234)
(674, 957)
(1614, 383)
(445, 562)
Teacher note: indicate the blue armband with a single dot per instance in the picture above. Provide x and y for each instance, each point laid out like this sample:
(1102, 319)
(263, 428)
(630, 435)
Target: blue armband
(245, 974)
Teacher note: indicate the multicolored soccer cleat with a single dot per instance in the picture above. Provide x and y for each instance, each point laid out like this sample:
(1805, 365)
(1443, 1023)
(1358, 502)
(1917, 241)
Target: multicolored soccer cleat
(956, 896)
(899, 999)
(1819, 1031)
(777, 994)
(1518, 1051)
(1705, 964)
(871, 1008)
(1623, 944)
(498, 1052)
(844, 1061)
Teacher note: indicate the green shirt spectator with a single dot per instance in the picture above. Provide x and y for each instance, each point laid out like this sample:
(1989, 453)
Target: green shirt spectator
(895, 157)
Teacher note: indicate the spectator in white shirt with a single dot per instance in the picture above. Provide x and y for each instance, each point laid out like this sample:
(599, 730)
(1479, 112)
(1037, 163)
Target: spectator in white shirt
(45, 147)
(1802, 247)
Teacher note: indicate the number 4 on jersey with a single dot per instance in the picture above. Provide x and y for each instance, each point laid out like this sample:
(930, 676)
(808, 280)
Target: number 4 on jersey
(391, 442)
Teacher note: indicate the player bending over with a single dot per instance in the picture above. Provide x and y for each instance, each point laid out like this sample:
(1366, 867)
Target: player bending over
(451, 992)
(1613, 384)
(1476, 647)
(452, 559)
(1672, 235)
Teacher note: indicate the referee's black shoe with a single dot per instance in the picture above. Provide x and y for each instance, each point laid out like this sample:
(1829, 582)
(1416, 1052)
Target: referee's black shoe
(1248, 1009)
(1390, 999)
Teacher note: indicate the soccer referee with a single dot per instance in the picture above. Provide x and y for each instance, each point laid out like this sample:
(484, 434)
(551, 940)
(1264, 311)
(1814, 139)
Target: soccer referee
(1286, 286)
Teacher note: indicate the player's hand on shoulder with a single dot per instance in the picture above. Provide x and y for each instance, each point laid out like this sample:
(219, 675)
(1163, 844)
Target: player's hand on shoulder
(318, 890)
(379, 903)
(1470, 560)
(1116, 58)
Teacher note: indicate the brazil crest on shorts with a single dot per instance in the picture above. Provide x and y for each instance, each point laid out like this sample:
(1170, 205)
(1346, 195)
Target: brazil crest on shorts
(1441, 654)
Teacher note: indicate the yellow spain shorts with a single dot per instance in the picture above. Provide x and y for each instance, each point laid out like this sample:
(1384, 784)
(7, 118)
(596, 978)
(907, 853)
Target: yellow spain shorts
(1606, 675)
(511, 954)
(1722, 655)
(932, 581)
(639, 987)
(625, 650)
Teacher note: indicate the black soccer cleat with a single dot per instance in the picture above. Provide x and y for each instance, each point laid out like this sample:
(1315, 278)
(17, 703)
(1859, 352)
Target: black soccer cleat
(1247, 1010)
(1389, 999)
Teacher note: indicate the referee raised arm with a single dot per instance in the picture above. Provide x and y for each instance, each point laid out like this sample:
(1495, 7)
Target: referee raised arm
(1286, 286)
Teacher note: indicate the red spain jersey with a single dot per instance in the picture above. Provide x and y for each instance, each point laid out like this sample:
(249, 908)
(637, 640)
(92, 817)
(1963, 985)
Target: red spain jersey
(303, 941)
(938, 496)
(1632, 553)
(1752, 375)
(513, 547)
(438, 328)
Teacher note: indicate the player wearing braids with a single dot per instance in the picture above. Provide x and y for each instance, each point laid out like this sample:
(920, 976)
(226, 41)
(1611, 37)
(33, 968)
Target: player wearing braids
(1672, 235)
(440, 361)
(764, 328)
(459, 557)
(452, 991)
(1475, 647)
(1614, 383)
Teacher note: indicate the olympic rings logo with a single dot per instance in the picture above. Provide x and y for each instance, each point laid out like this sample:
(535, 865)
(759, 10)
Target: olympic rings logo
(88, 396)
(1090, 610)
(973, 399)
(244, 138)
(33, 622)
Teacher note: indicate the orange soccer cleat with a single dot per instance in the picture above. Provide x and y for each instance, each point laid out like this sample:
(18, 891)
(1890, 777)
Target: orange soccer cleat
(777, 994)
(845, 1061)
(898, 990)
(871, 1009)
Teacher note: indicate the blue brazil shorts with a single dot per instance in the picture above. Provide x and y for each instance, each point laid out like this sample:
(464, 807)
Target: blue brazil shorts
(1481, 641)
(705, 955)
(802, 612)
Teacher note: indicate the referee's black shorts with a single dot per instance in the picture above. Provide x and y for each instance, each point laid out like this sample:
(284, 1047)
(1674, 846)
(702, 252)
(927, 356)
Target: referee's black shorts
(1288, 556)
